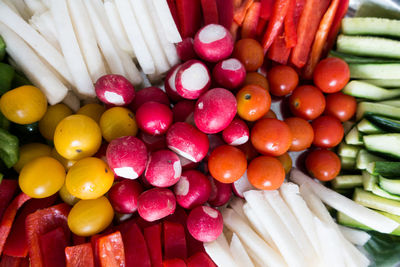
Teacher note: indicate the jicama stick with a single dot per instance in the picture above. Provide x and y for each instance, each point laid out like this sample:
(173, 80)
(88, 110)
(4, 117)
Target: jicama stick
(72, 101)
(86, 39)
(44, 24)
(33, 67)
(36, 41)
(237, 205)
(23, 10)
(36, 7)
(222, 257)
(355, 236)
(168, 23)
(223, 241)
(239, 252)
(10, 4)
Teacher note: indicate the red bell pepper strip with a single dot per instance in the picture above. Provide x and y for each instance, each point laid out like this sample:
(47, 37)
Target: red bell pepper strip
(200, 259)
(189, 14)
(174, 12)
(308, 26)
(225, 12)
(261, 26)
(210, 11)
(52, 247)
(41, 222)
(7, 191)
(9, 216)
(152, 235)
(241, 11)
(79, 256)
(290, 27)
(249, 27)
(111, 250)
(174, 263)
(174, 241)
(276, 22)
(234, 29)
(10, 261)
(266, 9)
(279, 52)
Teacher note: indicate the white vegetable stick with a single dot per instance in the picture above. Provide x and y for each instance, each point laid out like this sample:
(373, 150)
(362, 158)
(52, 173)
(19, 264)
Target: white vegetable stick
(355, 236)
(341, 203)
(43, 23)
(255, 258)
(237, 205)
(250, 239)
(33, 67)
(281, 236)
(10, 4)
(223, 241)
(132, 29)
(239, 252)
(168, 23)
(36, 7)
(42, 47)
(220, 255)
(23, 10)
(132, 73)
(72, 101)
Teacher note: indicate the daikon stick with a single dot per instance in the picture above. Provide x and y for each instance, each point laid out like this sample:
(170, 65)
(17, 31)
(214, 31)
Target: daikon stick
(33, 67)
(72, 101)
(132, 73)
(10, 4)
(355, 236)
(36, 7)
(239, 252)
(220, 255)
(43, 24)
(168, 23)
(23, 10)
(237, 205)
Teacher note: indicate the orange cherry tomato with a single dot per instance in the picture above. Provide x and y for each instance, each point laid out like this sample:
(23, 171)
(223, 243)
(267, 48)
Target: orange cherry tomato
(227, 163)
(271, 137)
(323, 164)
(341, 106)
(266, 173)
(249, 151)
(250, 53)
(307, 102)
(331, 74)
(253, 102)
(257, 79)
(270, 114)
(302, 133)
(286, 161)
(282, 80)
(328, 131)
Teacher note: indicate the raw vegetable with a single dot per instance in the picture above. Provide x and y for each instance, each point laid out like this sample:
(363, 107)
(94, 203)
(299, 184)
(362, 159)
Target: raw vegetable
(148, 94)
(237, 133)
(152, 235)
(220, 192)
(156, 203)
(9, 152)
(253, 102)
(124, 195)
(370, 26)
(154, 118)
(117, 122)
(79, 255)
(189, 14)
(115, 90)
(192, 79)
(111, 250)
(192, 189)
(229, 73)
(163, 168)
(174, 241)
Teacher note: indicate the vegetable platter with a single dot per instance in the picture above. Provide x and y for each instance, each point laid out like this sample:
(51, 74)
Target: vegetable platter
(199, 133)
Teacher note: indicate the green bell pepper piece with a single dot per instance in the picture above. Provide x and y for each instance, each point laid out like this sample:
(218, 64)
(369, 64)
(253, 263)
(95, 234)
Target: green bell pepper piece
(9, 148)
(6, 77)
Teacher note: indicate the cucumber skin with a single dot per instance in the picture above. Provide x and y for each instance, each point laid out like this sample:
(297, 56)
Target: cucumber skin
(371, 26)
(385, 168)
(369, 108)
(372, 201)
(369, 91)
(374, 71)
(390, 148)
(386, 123)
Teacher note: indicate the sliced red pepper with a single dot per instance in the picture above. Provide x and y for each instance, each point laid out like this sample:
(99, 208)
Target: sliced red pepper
(266, 9)
(7, 192)
(210, 11)
(237, 3)
(41, 222)
(52, 247)
(174, 241)
(174, 263)
(241, 11)
(95, 249)
(111, 250)
(152, 235)
(234, 29)
(279, 52)
(225, 12)
(290, 27)
(249, 27)
(261, 26)
(10, 261)
(79, 256)
(200, 259)
(189, 14)
(174, 12)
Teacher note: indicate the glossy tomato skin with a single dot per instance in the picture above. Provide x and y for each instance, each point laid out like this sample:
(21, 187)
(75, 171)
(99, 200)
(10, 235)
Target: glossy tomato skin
(302, 133)
(250, 53)
(257, 79)
(328, 131)
(266, 173)
(331, 75)
(341, 106)
(323, 164)
(282, 80)
(253, 102)
(307, 102)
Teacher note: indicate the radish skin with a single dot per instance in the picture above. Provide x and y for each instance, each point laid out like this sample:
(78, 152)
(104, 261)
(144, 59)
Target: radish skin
(204, 223)
(355, 236)
(239, 252)
(156, 203)
(219, 254)
(170, 29)
(242, 185)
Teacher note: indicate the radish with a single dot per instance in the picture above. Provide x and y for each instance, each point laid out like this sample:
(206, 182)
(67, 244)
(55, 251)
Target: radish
(187, 164)
(127, 157)
(215, 141)
(156, 203)
(192, 79)
(220, 192)
(153, 142)
(148, 94)
(237, 133)
(154, 118)
(101, 153)
(169, 84)
(213, 43)
(205, 223)
(229, 73)
(114, 89)
(163, 168)
(182, 110)
(242, 185)
(193, 189)
(215, 110)
(188, 142)
(124, 195)
(185, 49)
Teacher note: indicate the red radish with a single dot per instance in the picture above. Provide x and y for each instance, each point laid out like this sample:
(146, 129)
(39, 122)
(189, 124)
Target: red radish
(153, 142)
(188, 142)
(187, 164)
(123, 196)
(174, 263)
(154, 118)
(174, 240)
(192, 79)
(183, 109)
(242, 185)
(229, 73)
(200, 259)
(213, 43)
(149, 94)
(215, 141)
(156, 203)
(169, 84)
(237, 133)
(185, 49)
(215, 110)
(163, 168)
(101, 153)
(127, 156)
(205, 223)
(114, 89)
(220, 192)
(193, 189)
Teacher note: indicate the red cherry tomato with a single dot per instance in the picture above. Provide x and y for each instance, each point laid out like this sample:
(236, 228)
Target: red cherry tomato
(282, 80)
(331, 75)
(341, 106)
(323, 164)
(307, 102)
(302, 133)
(266, 173)
(328, 131)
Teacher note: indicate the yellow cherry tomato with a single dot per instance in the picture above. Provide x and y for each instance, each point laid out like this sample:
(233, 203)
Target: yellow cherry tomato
(42, 177)
(89, 217)
(117, 122)
(67, 163)
(50, 120)
(92, 110)
(77, 137)
(286, 161)
(67, 197)
(23, 105)
(89, 178)
(29, 152)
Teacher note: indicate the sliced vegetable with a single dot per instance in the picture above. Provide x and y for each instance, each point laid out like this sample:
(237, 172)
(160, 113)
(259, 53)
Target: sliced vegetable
(189, 13)
(52, 246)
(385, 123)
(225, 12)
(369, 108)
(8, 188)
(239, 252)
(174, 241)
(387, 144)
(367, 127)
(210, 11)
(373, 201)
(347, 181)
(152, 235)
(166, 16)
(371, 26)
(374, 71)
(249, 27)
(386, 169)
(111, 250)
(79, 256)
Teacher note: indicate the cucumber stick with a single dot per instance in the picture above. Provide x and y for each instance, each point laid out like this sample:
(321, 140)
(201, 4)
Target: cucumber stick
(384, 168)
(387, 144)
(364, 158)
(354, 137)
(367, 127)
(393, 103)
(390, 185)
(347, 181)
(369, 91)
(371, 26)
(363, 60)
(374, 71)
(346, 150)
(373, 201)
(369, 108)
(379, 191)
(387, 83)
(347, 163)
(369, 180)
(388, 124)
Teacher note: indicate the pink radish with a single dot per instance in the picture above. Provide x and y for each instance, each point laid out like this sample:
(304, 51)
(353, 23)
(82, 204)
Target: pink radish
(237, 133)
(149, 94)
(187, 164)
(169, 84)
(153, 142)
(242, 185)
(124, 195)
(101, 153)
(114, 89)
(156, 203)
(215, 141)
(183, 109)
(229, 73)
(185, 49)
(188, 142)
(205, 223)
(193, 189)
(220, 192)
(213, 43)
(154, 118)
(127, 157)
(163, 168)
(192, 79)
(215, 110)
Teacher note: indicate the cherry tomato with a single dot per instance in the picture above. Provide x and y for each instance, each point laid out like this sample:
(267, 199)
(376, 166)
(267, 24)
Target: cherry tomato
(270, 114)
(227, 163)
(50, 120)
(323, 164)
(253, 102)
(266, 173)
(341, 106)
(117, 122)
(302, 133)
(286, 161)
(257, 79)
(29, 152)
(249, 151)
(328, 131)
(250, 53)
(282, 80)
(67, 197)
(67, 163)
(307, 102)
(89, 217)
(331, 74)
(92, 110)
(271, 137)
